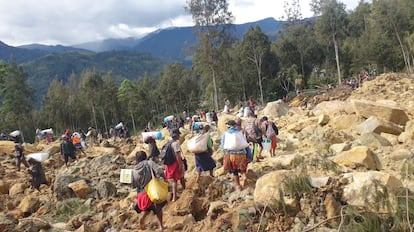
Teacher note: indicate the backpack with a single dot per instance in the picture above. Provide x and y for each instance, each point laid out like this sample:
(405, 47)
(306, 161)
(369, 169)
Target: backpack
(167, 155)
(253, 132)
(275, 128)
(271, 130)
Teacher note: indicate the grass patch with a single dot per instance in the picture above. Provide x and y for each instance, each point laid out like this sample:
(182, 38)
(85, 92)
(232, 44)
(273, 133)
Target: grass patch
(69, 208)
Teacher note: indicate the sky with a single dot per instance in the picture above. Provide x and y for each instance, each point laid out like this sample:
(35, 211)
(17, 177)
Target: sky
(70, 22)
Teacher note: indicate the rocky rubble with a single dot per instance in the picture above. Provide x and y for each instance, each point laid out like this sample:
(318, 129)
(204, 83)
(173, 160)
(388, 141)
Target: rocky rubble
(342, 152)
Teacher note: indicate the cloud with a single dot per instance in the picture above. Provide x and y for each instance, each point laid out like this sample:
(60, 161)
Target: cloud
(76, 21)
(70, 22)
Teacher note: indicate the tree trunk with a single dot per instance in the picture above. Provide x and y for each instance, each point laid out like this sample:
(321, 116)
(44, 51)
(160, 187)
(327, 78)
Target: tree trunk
(258, 63)
(133, 121)
(337, 60)
(215, 89)
(259, 74)
(405, 56)
(104, 118)
(94, 116)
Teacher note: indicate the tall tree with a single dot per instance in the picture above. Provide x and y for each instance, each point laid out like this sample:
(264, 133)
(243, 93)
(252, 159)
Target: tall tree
(91, 84)
(211, 18)
(395, 18)
(331, 23)
(17, 97)
(255, 47)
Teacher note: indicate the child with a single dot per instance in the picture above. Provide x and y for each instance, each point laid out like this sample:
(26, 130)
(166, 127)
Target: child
(37, 173)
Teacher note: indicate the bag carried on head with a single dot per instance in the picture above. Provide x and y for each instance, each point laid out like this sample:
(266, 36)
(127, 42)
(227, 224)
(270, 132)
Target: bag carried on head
(167, 154)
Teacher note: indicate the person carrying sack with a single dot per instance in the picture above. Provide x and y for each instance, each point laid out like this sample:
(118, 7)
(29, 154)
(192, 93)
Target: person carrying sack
(203, 160)
(144, 171)
(236, 152)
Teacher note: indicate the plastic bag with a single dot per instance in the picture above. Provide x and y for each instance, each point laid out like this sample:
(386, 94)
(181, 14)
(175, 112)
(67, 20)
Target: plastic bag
(267, 143)
(39, 157)
(198, 143)
(235, 141)
(157, 190)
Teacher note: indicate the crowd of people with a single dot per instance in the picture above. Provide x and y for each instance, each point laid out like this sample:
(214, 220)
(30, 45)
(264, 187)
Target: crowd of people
(241, 145)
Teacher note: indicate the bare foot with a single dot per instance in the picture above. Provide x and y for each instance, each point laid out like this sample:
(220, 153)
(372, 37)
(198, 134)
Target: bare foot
(239, 188)
(141, 224)
(245, 182)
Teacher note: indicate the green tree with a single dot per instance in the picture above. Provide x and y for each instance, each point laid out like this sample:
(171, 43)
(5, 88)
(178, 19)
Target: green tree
(331, 23)
(16, 98)
(211, 18)
(255, 47)
(91, 84)
(395, 19)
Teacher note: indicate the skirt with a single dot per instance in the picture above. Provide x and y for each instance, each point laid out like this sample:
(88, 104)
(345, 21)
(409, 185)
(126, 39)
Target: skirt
(204, 162)
(173, 172)
(235, 162)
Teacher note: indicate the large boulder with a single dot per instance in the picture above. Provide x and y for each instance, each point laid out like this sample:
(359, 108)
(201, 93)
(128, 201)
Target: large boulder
(358, 156)
(6, 147)
(80, 188)
(276, 109)
(345, 121)
(372, 140)
(387, 112)
(61, 188)
(267, 187)
(301, 124)
(333, 108)
(29, 204)
(222, 120)
(106, 189)
(376, 125)
(363, 186)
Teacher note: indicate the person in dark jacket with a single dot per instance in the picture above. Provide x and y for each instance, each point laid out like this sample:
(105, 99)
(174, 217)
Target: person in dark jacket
(37, 173)
(154, 152)
(67, 149)
(141, 176)
(18, 150)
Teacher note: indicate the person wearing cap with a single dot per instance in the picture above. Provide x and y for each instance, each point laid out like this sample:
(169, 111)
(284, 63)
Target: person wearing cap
(175, 171)
(235, 160)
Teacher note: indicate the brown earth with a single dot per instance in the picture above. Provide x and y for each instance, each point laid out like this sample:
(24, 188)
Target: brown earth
(100, 203)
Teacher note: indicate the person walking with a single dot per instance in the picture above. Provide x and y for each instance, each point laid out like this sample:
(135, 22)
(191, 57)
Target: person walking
(270, 131)
(141, 176)
(154, 152)
(174, 172)
(18, 151)
(236, 153)
(67, 149)
(37, 173)
(203, 161)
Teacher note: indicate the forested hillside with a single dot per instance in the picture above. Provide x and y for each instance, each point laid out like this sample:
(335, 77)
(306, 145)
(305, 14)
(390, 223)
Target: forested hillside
(337, 46)
(122, 64)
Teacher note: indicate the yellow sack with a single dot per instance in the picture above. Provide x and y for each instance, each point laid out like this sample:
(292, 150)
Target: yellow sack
(157, 190)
